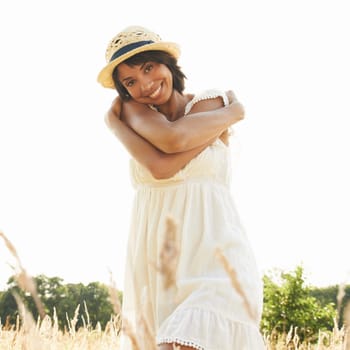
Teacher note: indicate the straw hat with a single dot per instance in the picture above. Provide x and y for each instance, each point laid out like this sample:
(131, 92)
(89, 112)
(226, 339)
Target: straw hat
(129, 42)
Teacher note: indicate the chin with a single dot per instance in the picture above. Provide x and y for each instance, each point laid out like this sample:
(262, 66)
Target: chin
(166, 97)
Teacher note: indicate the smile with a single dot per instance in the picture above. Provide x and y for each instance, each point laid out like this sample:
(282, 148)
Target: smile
(156, 93)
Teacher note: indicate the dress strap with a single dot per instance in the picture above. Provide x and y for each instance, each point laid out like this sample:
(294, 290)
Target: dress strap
(206, 95)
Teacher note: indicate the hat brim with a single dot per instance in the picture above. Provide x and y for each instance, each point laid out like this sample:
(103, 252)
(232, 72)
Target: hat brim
(105, 75)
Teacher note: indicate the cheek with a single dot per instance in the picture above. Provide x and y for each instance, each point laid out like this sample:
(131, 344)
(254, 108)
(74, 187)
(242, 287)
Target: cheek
(168, 76)
(134, 92)
(168, 73)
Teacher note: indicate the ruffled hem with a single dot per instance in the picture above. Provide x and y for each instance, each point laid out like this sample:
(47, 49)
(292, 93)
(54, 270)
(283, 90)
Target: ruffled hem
(207, 330)
(180, 342)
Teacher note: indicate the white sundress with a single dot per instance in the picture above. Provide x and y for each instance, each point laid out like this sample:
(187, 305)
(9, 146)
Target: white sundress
(203, 310)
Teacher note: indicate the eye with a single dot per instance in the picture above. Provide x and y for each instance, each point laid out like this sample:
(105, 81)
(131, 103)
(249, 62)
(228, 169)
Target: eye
(129, 83)
(148, 67)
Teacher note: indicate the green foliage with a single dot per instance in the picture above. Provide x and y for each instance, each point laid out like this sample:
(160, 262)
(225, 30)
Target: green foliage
(64, 298)
(290, 303)
(330, 294)
(8, 308)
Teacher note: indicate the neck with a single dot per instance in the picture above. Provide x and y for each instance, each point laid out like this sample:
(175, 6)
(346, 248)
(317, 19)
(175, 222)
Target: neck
(174, 108)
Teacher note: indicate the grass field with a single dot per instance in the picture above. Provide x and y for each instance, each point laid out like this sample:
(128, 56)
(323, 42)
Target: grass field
(44, 333)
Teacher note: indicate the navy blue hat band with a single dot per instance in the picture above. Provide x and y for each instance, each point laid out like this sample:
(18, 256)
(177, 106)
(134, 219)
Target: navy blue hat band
(129, 47)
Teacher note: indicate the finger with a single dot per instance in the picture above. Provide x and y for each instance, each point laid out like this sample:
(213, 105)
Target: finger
(231, 96)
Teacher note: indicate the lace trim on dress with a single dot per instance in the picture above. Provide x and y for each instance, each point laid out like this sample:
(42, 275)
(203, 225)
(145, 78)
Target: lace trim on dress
(180, 342)
(206, 95)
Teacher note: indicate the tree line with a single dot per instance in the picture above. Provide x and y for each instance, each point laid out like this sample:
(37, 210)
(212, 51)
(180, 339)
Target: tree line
(288, 302)
(61, 298)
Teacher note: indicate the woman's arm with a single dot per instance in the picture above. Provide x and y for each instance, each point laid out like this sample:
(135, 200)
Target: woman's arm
(160, 164)
(207, 120)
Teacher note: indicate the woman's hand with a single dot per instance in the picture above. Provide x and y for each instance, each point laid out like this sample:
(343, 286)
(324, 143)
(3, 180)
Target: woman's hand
(235, 104)
(224, 137)
(232, 99)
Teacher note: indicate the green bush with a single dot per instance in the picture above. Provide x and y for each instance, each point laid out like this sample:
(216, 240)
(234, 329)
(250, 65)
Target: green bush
(289, 303)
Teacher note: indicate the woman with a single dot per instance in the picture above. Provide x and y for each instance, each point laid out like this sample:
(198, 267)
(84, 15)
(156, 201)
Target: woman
(180, 168)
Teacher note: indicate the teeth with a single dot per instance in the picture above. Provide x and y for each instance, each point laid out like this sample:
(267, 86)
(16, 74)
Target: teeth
(155, 93)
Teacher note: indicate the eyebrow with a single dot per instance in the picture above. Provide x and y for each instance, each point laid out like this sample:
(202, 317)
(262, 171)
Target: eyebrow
(141, 67)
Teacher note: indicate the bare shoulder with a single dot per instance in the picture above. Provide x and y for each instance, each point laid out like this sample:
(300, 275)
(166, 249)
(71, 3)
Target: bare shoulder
(207, 104)
(206, 100)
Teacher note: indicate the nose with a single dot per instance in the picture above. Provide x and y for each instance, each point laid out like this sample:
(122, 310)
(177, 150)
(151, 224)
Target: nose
(147, 86)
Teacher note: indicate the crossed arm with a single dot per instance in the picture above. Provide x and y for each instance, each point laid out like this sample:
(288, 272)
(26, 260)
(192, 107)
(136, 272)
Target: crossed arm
(165, 147)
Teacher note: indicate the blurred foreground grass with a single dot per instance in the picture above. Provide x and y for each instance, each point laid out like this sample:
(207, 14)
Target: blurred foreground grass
(45, 334)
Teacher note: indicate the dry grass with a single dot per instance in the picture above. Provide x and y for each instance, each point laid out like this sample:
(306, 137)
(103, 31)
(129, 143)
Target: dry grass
(169, 255)
(44, 333)
(231, 272)
(25, 282)
(334, 340)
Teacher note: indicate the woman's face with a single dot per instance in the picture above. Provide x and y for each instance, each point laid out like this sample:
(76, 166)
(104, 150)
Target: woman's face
(148, 83)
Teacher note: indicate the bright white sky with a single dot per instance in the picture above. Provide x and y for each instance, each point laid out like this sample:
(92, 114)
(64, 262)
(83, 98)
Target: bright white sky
(65, 194)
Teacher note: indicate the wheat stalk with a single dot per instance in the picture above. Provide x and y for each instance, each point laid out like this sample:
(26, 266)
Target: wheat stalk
(235, 282)
(169, 254)
(129, 332)
(25, 282)
(113, 295)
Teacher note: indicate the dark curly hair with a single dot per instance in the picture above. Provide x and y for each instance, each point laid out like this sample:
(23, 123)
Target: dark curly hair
(155, 56)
